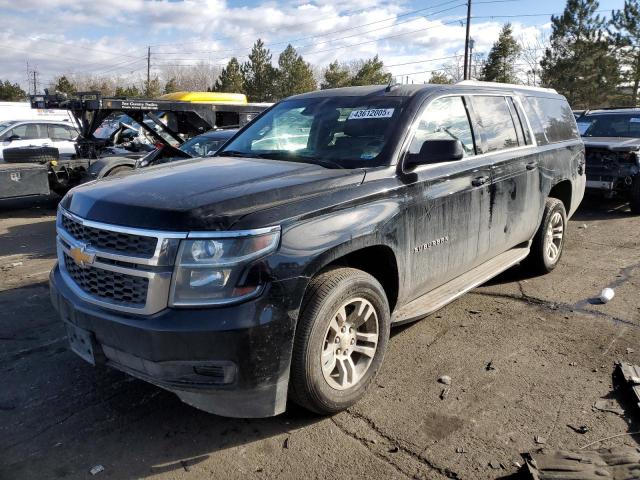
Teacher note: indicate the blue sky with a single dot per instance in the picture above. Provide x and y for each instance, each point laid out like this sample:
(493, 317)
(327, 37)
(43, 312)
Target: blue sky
(109, 38)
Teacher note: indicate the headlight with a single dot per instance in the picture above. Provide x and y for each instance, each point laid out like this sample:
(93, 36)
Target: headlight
(208, 270)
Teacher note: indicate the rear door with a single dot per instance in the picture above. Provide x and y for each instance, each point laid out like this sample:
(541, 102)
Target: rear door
(448, 207)
(515, 196)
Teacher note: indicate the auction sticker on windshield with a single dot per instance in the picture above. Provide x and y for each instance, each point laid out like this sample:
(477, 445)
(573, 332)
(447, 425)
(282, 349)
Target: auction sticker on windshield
(373, 113)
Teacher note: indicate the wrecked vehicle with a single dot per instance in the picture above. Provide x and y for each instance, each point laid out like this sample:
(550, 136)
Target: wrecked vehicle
(276, 268)
(204, 145)
(612, 142)
(115, 133)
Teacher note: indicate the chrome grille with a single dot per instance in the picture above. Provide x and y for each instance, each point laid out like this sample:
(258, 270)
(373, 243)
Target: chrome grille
(108, 240)
(115, 267)
(107, 285)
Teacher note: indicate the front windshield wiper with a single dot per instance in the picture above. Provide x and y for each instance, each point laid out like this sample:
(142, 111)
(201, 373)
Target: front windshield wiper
(234, 153)
(323, 162)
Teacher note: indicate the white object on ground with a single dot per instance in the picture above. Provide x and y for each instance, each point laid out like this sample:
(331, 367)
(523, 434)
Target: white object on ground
(96, 470)
(607, 295)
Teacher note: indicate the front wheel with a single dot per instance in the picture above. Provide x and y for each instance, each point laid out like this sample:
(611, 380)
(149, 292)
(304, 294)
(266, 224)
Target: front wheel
(341, 337)
(548, 243)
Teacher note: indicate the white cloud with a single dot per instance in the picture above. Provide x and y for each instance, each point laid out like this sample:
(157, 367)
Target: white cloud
(110, 37)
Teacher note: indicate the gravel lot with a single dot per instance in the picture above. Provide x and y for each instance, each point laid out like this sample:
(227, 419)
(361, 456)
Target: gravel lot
(552, 351)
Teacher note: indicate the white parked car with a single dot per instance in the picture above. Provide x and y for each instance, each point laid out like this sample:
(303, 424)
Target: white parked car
(27, 133)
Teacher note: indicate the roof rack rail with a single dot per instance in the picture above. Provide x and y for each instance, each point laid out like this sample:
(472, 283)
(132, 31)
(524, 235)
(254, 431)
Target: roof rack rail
(511, 85)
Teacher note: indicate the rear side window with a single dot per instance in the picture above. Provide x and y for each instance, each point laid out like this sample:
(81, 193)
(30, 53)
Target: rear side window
(495, 123)
(60, 132)
(558, 121)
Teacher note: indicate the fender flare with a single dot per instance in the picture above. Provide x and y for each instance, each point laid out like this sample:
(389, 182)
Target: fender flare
(103, 166)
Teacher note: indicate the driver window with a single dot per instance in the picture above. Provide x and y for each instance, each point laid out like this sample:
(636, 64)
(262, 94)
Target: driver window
(444, 119)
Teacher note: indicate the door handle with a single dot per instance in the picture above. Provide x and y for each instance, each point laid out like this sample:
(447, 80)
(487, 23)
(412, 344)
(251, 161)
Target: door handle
(478, 181)
(532, 165)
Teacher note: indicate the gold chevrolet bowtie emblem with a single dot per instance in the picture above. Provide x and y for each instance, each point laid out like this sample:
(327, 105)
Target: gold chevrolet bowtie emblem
(81, 256)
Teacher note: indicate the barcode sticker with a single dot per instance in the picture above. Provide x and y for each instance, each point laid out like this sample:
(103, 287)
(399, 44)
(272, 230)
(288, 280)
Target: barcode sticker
(373, 113)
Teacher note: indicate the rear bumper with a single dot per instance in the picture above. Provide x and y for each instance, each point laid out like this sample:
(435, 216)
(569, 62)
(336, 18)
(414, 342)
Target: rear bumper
(232, 361)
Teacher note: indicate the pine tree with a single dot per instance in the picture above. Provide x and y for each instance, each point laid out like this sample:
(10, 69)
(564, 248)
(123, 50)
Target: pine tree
(499, 66)
(63, 85)
(440, 78)
(626, 23)
(294, 74)
(171, 86)
(152, 88)
(230, 79)
(129, 92)
(371, 72)
(336, 76)
(259, 75)
(579, 62)
(11, 92)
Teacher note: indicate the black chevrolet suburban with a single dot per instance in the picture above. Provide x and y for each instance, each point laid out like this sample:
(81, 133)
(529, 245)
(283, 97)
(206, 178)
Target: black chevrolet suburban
(275, 269)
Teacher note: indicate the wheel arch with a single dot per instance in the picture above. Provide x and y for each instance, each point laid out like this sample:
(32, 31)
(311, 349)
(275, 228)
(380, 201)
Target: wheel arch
(563, 191)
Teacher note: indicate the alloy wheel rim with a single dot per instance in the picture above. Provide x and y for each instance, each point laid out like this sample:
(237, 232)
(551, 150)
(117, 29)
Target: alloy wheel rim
(350, 343)
(554, 236)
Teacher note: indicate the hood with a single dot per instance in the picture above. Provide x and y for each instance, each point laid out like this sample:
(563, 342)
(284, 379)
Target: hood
(616, 144)
(203, 194)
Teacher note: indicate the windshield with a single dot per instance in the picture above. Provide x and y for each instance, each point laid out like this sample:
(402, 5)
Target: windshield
(336, 132)
(612, 125)
(202, 146)
(7, 124)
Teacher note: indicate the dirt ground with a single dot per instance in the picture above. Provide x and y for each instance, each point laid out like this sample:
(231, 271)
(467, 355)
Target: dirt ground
(552, 353)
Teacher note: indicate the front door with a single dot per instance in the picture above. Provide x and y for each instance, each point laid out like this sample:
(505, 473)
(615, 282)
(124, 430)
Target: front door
(448, 205)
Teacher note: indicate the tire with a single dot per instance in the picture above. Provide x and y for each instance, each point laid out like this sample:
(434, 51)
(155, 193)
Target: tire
(543, 258)
(318, 344)
(634, 198)
(117, 171)
(40, 155)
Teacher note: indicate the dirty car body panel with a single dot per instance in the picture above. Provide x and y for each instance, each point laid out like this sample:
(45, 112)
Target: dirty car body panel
(419, 225)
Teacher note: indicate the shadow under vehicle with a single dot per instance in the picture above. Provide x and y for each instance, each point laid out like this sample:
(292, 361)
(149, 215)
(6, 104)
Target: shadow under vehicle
(114, 134)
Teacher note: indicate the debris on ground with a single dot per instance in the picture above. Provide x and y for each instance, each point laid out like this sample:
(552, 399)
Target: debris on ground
(619, 463)
(489, 366)
(445, 379)
(539, 440)
(631, 374)
(445, 393)
(285, 444)
(608, 405)
(573, 364)
(96, 469)
(394, 450)
(16, 264)
(582, 429)
(630, 350)
(460, 450)
(584, 225)
(474, 312)
(495, 465)
(607, 295)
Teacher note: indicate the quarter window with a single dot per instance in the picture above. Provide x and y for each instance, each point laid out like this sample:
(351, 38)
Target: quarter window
(444, 119)
(60, 132)
(495, 123)
(558, 120)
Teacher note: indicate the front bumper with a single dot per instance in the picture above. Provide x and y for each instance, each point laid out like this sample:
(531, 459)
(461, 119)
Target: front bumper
(232, 361)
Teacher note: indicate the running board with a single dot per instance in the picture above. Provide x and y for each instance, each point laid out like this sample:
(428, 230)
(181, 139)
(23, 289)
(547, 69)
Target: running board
(447, 293)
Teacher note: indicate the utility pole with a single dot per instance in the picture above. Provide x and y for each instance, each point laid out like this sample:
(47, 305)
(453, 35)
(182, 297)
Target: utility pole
(466, 42)
(148, 69)
(472, 44)
(35, 82)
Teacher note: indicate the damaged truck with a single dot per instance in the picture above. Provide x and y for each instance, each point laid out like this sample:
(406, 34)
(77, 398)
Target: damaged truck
(612, 141)
(115, 133)
(275, 269)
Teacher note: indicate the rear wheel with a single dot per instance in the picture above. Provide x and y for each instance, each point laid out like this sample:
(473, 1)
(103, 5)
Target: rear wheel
(342, 334)
(548, 243)
(634, 200)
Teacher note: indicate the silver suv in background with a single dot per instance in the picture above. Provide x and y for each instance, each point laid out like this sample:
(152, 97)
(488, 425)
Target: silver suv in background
(38, 133)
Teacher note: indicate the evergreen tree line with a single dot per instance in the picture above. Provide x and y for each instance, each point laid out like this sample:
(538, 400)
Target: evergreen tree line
(593, 61)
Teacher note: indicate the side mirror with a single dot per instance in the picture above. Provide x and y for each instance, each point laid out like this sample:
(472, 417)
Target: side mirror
(436, 151)
(12, 138)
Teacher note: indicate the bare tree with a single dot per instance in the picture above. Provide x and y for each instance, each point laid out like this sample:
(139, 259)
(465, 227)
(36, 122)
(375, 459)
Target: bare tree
(531, 53)
(454, 68)
(198, 77)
